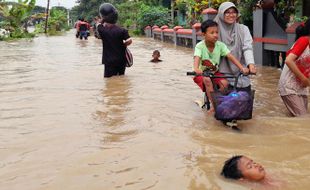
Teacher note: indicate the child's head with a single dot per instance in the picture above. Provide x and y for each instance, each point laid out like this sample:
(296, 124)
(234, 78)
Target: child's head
(156, 54)
(303, 29)
(209, 29)
(241, 167)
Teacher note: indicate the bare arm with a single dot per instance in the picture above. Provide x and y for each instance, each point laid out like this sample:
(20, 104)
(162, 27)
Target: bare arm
(196, 65)
(128, 42)
(290, 62)
(232, 58)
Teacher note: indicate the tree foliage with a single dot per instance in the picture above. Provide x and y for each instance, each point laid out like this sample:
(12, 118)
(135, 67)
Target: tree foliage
(15, 16)
(133, 14)
(128, 14)
(58, 20)
(89, 9)
(150, 15)
(193, 8)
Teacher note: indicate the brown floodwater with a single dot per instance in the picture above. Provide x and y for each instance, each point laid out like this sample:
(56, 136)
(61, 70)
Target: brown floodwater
(63, 126)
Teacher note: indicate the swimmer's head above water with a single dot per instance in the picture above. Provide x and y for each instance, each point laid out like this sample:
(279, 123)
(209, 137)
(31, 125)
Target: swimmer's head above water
(241, 167)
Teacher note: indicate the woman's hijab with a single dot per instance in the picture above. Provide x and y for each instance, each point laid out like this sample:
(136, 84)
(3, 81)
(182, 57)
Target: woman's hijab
(229, 33)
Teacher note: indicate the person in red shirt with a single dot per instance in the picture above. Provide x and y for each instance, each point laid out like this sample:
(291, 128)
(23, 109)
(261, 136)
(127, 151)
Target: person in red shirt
(294, 81)
(83, 27)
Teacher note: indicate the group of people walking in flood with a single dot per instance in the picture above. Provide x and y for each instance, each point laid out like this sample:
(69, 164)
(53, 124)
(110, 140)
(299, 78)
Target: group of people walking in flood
(226, 49)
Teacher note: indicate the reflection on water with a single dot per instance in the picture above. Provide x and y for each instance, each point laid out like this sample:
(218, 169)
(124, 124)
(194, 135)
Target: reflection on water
(62, 123)
(112, 112)
(115, 101)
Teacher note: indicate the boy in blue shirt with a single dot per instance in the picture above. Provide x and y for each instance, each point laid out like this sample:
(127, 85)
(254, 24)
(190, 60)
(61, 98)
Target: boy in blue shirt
(207, 56)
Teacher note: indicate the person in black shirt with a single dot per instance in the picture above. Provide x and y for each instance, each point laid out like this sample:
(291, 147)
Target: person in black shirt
(114, 41)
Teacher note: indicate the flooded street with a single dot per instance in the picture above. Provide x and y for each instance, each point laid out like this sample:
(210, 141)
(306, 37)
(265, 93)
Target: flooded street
(63, 126)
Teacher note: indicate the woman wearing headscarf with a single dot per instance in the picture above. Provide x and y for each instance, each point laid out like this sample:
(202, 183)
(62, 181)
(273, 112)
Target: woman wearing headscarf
(238, 39)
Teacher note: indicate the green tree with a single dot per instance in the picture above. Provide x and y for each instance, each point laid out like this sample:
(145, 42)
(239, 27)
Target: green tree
(150, 15)
(16, 15)
(89, 9)
(128, 14)
(58, 20)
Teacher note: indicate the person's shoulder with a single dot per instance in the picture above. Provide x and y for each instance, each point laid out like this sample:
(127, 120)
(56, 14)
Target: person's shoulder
(303, 40)
(119, 28)
(243, 28)
(124, 29)
(220, 44)
(299, 46)
(153, 61)
(116, 26)
(201, 44)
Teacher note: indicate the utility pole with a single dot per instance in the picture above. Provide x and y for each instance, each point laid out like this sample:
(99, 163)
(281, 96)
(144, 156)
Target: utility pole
(68, 16)
(46, 16)
(172, 11)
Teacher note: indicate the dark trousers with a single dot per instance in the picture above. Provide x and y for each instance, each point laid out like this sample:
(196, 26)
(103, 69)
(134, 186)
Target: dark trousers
(112, 70)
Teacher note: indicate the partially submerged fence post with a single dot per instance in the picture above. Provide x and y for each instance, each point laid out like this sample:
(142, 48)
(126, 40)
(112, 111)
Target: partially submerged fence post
(148, 31)
(209, 13)
(175, 39)
(162, 32)
(155, 27)
(196, 28)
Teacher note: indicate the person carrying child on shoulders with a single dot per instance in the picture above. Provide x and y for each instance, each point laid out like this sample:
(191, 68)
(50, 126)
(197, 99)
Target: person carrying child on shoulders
(83, 28)
(207, 55)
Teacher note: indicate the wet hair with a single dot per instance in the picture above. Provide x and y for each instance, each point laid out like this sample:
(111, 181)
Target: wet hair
(206, 24)
(303, 29)
(230, 169)
(156, 52)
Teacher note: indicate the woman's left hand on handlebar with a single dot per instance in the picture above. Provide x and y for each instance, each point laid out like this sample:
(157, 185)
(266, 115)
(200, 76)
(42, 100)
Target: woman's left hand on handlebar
(252, 69)
(244, 71)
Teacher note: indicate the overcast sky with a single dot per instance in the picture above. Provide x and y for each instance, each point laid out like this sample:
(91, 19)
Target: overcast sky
(64, 3)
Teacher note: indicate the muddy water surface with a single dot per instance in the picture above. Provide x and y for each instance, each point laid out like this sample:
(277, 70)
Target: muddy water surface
(62, 126)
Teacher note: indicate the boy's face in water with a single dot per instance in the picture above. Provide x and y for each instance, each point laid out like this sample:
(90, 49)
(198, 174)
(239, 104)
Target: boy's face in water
(250, 170)
(211, 34)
